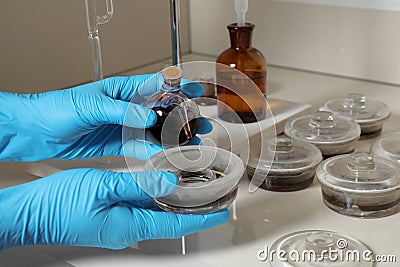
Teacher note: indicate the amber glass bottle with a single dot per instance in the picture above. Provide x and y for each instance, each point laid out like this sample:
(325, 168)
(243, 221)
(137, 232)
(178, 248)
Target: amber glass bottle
(241, 104)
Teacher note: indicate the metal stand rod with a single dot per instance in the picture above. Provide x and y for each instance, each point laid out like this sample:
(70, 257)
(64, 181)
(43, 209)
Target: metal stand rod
(175, 31)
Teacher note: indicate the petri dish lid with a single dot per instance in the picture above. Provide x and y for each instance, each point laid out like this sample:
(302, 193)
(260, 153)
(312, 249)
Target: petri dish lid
(285, 154)
(323, 127)
(359, 172)
(358, 107)
(319, 248)
(387, 146)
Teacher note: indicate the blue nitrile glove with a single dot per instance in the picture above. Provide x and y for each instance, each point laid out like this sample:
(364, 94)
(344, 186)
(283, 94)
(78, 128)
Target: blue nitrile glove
(81, 122)
(89, 207)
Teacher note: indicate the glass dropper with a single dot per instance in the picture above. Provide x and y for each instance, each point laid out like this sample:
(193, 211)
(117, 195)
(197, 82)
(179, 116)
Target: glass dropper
(93, 20)
(241, 9)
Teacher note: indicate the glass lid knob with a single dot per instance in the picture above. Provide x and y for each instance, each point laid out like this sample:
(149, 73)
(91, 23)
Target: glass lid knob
(361, 161)
(322, 120)
(281, 144)
(354, 101)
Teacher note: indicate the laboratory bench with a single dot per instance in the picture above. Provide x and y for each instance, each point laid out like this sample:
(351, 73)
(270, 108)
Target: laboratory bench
(261, 217)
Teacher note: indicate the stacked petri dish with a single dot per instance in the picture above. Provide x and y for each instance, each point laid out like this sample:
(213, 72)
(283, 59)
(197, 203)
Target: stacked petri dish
(285, 165)
(332, 134)
(387, 146)
(208, 178)
(360, 184)
(319, 248)
(369, 113)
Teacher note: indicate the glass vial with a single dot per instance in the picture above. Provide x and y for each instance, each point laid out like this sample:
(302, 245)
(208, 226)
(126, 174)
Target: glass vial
(178, 117)
(242, 105)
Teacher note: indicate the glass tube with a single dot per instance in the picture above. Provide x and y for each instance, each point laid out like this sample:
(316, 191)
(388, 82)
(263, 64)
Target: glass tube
(93, 21)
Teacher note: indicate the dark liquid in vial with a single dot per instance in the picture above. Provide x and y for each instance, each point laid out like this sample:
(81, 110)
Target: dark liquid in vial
(175, 132)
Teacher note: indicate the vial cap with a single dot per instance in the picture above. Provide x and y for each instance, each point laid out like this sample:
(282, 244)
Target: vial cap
(172, 75)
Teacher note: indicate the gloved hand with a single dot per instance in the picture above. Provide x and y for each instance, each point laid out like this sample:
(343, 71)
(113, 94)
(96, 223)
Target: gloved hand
(82, 122)
(89, 207)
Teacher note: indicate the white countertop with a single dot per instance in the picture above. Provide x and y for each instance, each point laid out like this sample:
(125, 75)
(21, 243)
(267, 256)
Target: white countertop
(262, 217)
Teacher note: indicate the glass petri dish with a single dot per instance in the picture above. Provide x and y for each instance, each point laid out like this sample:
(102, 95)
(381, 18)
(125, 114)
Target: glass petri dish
(360, 185)
(291, 167)
(207, 178)
(387, 146)
(319, 248)
(332, 134)
(369, 113)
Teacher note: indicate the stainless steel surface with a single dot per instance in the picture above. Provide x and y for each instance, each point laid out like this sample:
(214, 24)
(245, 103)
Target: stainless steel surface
(30, 257)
